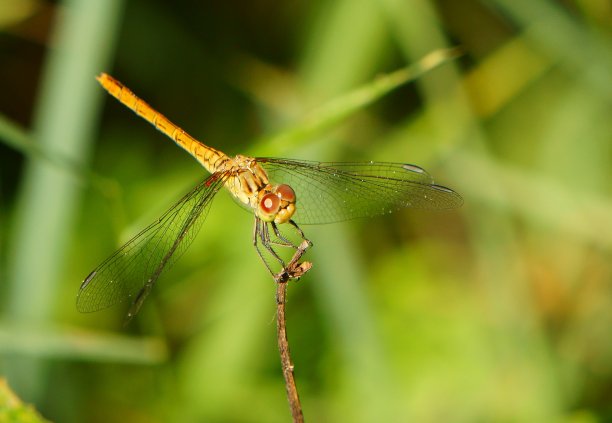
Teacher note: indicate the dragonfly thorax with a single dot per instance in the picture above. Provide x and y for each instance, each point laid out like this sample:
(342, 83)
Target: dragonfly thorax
(246, 180)
(251, 186)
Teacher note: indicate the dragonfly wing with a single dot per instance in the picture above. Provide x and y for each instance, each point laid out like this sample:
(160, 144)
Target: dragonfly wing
(331, 192)
(131, 272)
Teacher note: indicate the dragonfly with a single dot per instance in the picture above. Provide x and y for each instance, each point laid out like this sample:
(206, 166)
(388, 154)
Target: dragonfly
(279, 192)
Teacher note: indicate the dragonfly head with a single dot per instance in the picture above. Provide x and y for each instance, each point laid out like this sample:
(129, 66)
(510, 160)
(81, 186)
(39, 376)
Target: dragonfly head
(276, 203)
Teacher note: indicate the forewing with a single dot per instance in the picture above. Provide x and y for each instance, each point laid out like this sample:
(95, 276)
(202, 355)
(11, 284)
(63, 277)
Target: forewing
(130, 273)
(332, 192)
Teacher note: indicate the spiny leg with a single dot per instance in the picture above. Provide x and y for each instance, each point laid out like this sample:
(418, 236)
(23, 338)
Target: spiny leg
(300, 232)
(284, 241)
(295, 269)
(261, 232)
(256, 235)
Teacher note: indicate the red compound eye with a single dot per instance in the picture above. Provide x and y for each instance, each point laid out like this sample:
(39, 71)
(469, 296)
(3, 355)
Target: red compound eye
(286, 193)
(269, 204)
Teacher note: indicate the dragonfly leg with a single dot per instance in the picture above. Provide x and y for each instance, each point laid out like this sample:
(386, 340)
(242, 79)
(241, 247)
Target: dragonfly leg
(300, 232)
(295, 269)
(292, 270)
(261, 233)
(284, 241)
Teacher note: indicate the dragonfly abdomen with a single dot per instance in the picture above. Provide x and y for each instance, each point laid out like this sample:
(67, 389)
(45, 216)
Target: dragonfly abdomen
(210, 158)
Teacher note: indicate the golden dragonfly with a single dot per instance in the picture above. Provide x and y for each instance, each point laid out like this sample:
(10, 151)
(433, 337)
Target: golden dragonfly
(277, 191)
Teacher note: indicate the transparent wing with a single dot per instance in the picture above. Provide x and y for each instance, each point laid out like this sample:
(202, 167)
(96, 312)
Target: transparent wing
(333, 192)
(131, 272)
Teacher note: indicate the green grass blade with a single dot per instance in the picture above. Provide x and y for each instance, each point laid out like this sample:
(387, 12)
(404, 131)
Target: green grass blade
(63, 123)
(18, 138)
(338, 109)
(74, 344)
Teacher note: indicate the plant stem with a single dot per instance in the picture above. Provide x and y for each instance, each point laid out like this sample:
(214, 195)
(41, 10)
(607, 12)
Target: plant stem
(285, 355)
(294, 270)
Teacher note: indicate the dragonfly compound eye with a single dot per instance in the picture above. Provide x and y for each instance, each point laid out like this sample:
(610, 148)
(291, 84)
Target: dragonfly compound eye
(287, 206)
(269, 206)
(286, 193)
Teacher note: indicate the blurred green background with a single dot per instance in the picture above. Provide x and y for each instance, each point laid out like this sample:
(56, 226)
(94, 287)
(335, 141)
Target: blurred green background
(500, 311)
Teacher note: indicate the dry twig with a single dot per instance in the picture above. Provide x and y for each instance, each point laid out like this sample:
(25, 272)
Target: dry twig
(294, 270)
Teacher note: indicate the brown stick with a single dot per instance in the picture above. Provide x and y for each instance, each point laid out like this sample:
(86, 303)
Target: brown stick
(285, 355)
(293, 271)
